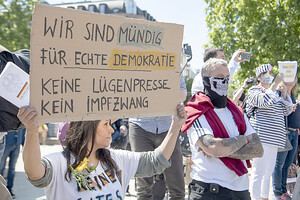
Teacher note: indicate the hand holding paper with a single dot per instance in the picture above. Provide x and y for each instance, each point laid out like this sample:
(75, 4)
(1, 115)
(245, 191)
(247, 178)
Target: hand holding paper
(289, 69)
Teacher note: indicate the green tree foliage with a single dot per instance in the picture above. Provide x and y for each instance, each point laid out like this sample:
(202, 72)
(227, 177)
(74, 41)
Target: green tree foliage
(270, 28)
(15, 19)
(188, 82)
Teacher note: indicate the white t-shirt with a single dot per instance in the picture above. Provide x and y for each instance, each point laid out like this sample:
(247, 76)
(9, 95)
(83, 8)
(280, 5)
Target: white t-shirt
(105, 187)
(210, 169)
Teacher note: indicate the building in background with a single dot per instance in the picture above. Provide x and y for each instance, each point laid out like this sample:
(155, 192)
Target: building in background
(125, 8)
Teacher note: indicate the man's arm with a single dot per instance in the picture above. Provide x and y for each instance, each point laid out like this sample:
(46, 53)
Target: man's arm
(239, 93)
(235, 62)
(221, 147)
(253, 149)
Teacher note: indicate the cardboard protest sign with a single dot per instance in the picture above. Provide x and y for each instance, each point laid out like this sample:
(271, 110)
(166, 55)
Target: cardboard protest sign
(289, 69)
(90, 66)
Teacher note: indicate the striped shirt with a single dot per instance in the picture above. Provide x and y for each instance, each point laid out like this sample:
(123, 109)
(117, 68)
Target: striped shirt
(267, 110)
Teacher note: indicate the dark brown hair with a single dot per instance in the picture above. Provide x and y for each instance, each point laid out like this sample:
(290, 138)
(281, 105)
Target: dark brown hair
(211, 53)
(77, 140)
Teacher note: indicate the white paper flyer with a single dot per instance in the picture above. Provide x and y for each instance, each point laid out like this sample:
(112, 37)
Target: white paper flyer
(14, 85)
(289, 69)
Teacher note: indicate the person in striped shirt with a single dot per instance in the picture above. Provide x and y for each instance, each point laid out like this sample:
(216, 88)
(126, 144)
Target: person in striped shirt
(267, 109)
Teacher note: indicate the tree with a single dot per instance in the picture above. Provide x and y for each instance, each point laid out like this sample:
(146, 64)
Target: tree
(188, 82)
(15, 18)
(270, 28)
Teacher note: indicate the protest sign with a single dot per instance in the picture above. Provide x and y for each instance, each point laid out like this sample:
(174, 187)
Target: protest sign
(289, 69)
(91, 66)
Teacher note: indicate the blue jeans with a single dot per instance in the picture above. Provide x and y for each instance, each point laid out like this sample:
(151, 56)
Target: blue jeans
(12, 151)
(283, 161)
(2, 147)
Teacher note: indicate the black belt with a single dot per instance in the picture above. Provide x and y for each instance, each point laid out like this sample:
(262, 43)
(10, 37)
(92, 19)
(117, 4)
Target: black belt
(202, 187)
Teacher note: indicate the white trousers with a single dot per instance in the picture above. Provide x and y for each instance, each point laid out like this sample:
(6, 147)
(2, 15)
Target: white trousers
(262, 169)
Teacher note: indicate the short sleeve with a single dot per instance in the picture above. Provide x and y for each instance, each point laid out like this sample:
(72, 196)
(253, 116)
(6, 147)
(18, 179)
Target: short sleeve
(199, 128)
(249, 129)
(151, 163)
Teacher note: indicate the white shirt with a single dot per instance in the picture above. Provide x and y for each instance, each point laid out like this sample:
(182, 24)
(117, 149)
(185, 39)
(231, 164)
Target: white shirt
(105, 186)
(210, 169)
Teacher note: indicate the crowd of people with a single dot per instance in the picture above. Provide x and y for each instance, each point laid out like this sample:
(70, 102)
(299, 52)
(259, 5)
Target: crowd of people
(226, 138)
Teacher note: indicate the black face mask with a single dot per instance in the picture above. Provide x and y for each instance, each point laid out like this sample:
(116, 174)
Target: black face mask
(216, 89)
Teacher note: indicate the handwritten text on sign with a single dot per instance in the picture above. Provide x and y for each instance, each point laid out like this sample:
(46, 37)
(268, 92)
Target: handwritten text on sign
(88, 66)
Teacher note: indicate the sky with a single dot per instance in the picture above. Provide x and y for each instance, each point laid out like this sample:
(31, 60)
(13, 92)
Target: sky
(190, 13)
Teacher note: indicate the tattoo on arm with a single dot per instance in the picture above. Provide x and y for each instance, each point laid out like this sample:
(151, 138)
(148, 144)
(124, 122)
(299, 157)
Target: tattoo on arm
(221, 147)
(207, 140)
(234, 143)
(251, 150)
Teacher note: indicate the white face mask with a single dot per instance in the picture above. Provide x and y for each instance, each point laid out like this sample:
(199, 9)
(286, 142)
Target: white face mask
(216, 89)
(267, 79)
(219, 85)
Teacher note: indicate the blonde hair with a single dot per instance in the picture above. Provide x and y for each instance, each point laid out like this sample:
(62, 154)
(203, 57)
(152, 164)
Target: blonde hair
(295, 88)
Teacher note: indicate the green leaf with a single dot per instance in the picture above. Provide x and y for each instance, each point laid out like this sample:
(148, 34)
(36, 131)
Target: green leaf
(270, 28)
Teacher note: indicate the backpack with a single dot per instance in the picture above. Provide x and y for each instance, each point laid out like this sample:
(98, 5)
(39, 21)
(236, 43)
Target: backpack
(8, 112)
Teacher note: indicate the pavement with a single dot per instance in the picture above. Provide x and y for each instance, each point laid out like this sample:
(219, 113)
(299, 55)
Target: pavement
(25, 191)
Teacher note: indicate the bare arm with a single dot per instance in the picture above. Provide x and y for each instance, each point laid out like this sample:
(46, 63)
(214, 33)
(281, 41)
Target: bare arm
(221, 147)
(253, 149)
(168, 144)
(239, 93)
(31, 151)
(276, 82)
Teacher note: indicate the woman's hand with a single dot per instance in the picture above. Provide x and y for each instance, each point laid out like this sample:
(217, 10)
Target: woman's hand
(279, 78)
(181, 116)
(28, 116)
(283, 89)
(294, 107)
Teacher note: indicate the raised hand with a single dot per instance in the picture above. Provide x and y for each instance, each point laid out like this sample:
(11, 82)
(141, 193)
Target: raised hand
(181, 116)
(237, 54)
(28, 116)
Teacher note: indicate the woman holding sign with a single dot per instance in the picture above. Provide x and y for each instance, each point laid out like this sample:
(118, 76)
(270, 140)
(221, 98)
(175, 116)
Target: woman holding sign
(285, 158)
(87, 169)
